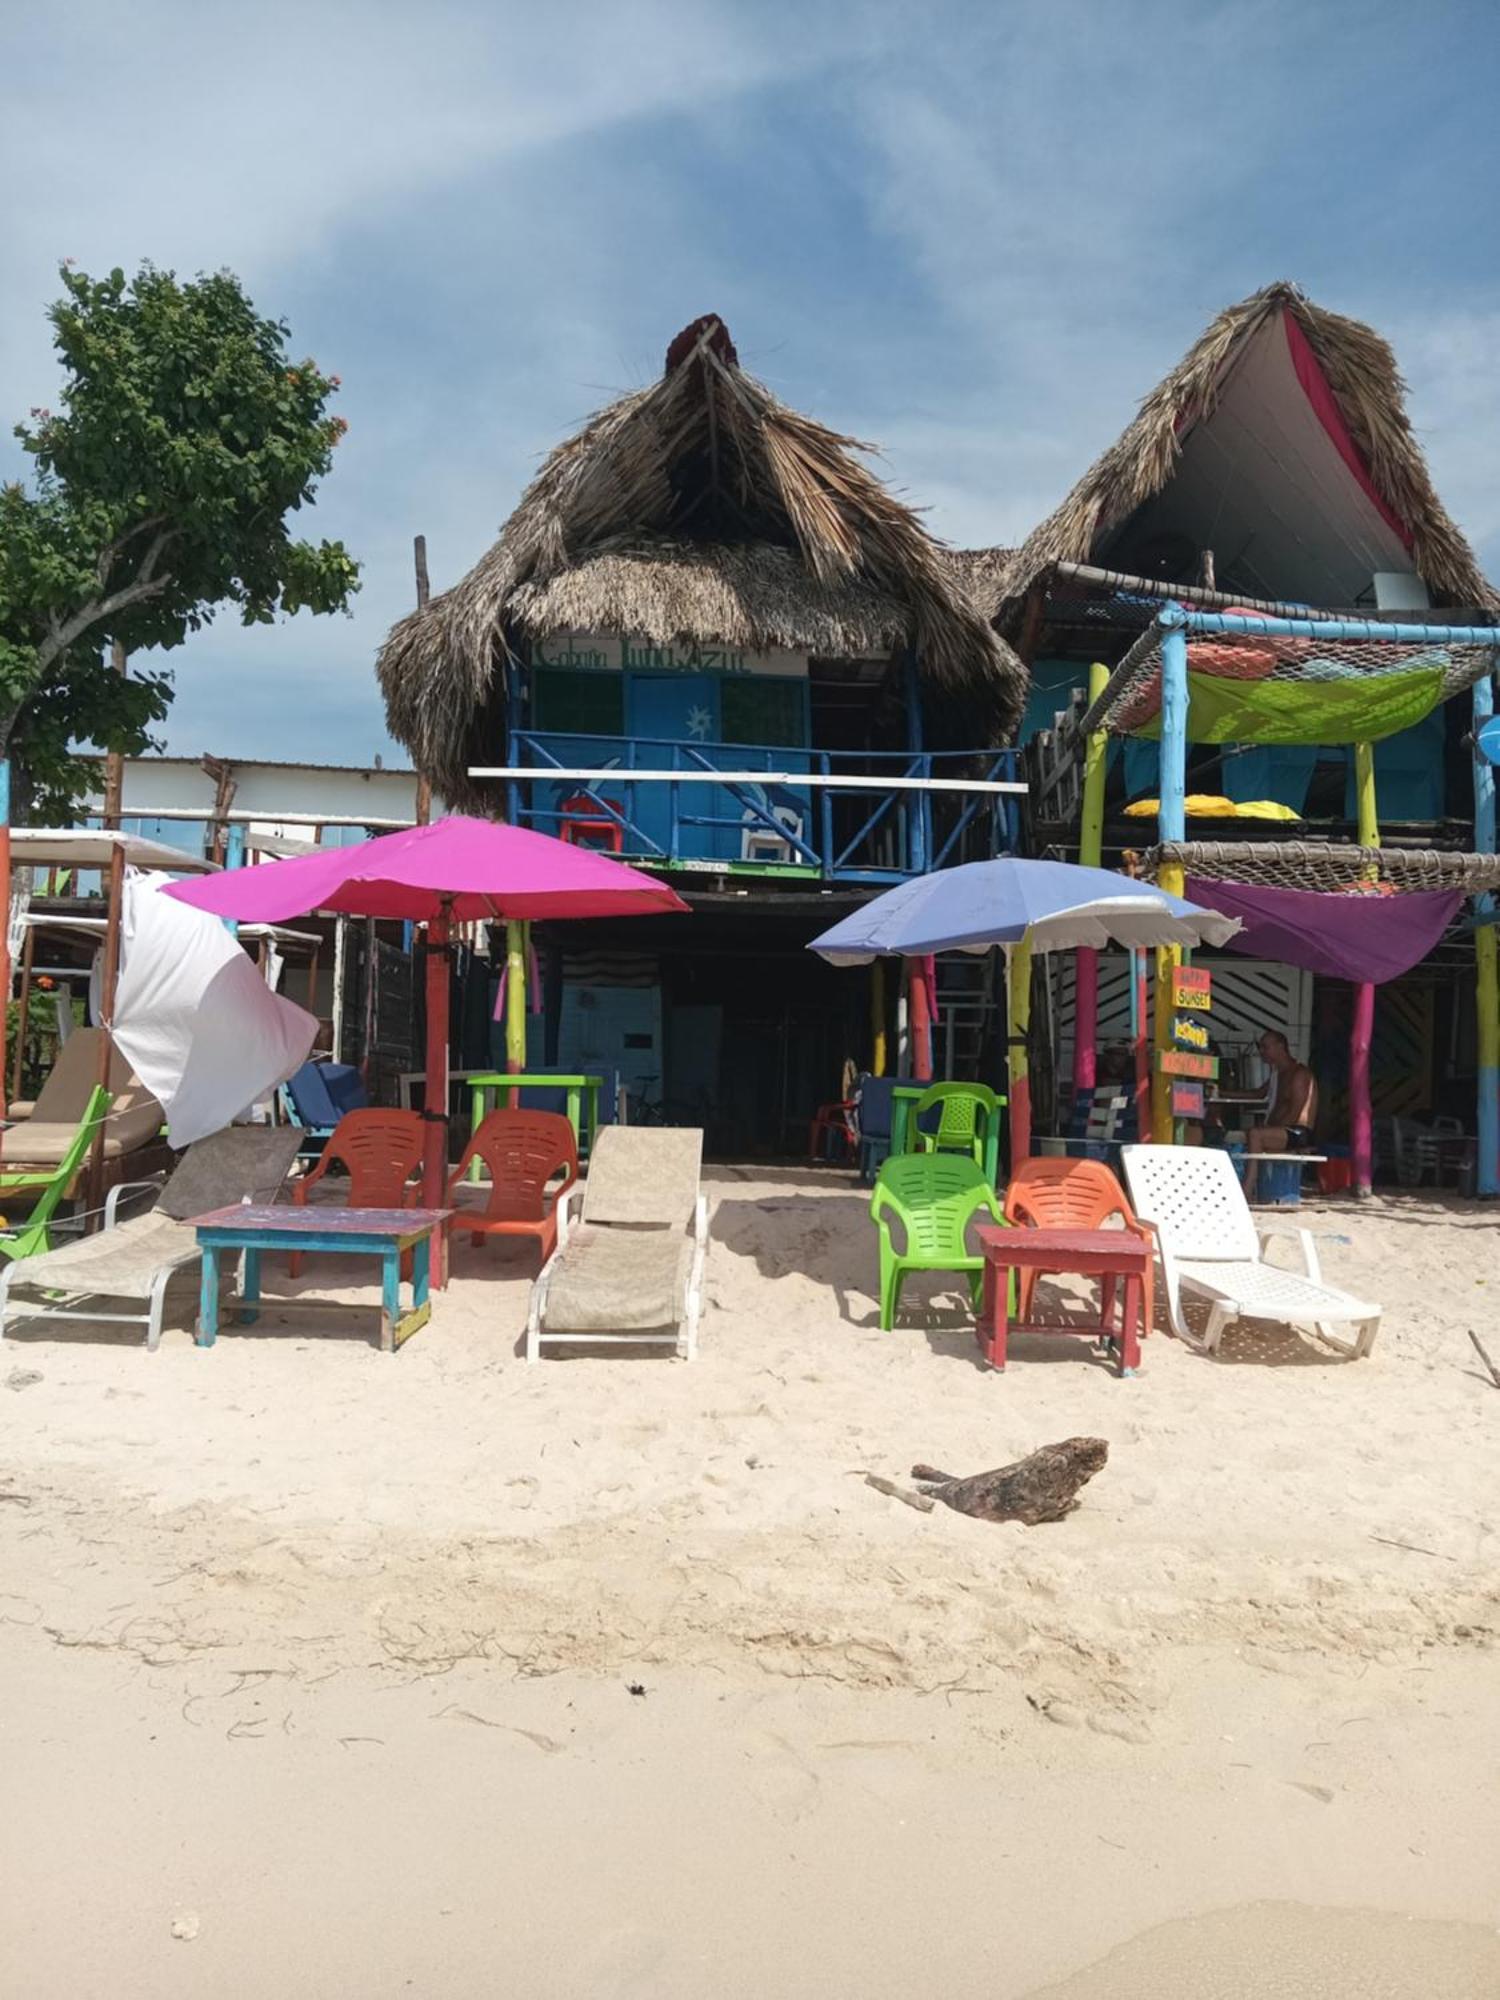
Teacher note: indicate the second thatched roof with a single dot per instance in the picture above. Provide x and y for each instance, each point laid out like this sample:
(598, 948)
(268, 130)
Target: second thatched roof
(698, 510)
(1361, 373)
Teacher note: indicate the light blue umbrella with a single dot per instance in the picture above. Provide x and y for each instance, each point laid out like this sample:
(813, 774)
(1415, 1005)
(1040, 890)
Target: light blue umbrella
(1052, 905)
(1021, 906)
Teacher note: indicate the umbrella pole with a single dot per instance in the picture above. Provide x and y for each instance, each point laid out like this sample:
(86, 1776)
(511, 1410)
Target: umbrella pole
(435, 1095)
(1018, 1010)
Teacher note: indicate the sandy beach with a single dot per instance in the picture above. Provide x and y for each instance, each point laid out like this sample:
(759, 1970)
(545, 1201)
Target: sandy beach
(439, 1674)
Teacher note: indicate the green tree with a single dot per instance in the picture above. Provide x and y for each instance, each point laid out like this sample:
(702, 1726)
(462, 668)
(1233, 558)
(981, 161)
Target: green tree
(163, 487)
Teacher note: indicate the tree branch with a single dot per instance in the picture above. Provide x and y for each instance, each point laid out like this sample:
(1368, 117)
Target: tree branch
(146, 584)
(111, 553)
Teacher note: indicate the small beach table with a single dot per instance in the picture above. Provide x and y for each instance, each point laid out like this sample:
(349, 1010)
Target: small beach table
(485, 1084)
(1118, 1258)
(386, 1233)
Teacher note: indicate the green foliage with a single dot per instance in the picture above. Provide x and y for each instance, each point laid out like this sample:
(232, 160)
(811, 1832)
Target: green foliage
(186, 438)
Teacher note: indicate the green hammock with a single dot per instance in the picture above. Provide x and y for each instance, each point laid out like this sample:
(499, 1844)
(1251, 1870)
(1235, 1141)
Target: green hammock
(1359, 709)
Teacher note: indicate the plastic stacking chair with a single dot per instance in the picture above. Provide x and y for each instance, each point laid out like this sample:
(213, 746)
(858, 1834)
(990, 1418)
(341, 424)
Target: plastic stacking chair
(382, 1151)
(50, 1184)
(524, 1151)
(1072, 1194)
(934, 1196)
(965, 1113)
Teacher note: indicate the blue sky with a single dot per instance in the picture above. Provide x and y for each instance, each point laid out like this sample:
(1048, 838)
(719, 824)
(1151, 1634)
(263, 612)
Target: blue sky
(975, 234)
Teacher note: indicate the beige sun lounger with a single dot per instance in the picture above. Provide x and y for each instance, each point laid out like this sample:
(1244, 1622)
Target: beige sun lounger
(43, 1130)
(137, 1259)
(631, 1272)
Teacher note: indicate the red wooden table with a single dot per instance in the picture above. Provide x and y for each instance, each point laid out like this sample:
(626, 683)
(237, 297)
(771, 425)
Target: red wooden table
(1110, 1255)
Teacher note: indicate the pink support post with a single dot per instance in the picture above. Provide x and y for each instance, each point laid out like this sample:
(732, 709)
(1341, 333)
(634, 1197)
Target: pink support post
(922, 979)
(1085, 1020)
(1361, 1126)
(1141, 1016)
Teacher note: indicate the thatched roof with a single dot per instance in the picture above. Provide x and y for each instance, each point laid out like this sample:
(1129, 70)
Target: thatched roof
(698, 510)
(1358, 367)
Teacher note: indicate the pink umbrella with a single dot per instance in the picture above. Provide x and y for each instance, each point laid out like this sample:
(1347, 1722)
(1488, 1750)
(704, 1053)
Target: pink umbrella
(457, 870)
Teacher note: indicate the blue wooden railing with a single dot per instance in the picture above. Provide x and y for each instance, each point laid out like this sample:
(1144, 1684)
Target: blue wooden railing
(837, 832)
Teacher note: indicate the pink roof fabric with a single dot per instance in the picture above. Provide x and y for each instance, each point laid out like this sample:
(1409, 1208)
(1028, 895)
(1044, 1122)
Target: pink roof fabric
(465, 869)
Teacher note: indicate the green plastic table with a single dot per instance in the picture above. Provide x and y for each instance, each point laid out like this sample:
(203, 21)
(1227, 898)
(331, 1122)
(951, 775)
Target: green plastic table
(906, 1095)
(484, 1084)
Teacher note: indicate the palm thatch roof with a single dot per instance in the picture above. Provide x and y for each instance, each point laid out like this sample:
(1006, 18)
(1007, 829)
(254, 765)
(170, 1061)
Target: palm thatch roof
(1360, 370)
(703, 510)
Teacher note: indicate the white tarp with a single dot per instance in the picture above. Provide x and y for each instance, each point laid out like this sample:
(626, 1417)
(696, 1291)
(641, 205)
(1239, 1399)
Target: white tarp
(194, 1017)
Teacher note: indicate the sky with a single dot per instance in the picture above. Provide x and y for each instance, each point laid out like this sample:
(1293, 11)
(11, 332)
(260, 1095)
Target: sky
(974, 234)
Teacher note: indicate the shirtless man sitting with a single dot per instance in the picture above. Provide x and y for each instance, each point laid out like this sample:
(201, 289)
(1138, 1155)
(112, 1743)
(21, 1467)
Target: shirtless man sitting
(1294, 1112)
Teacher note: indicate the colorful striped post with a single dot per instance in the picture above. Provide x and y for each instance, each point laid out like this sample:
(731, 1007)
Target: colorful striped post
(1171, 825)
(921, 984)
(1091, 855)
(1018, 1008)
(515, 1003)
(1361, 1121)
(1486, 981)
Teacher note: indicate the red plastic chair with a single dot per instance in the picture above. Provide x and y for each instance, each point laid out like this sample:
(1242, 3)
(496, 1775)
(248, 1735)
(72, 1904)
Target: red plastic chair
(1072, 1194)
(524, 1152)
(585, 826)
(832, 1132)
(381, 1151)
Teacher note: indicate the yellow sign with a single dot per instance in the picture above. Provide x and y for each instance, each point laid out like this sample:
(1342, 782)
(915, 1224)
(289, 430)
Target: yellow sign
(1193, 990)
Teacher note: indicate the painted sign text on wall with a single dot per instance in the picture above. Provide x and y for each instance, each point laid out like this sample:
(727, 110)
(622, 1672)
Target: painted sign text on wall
(609, 652)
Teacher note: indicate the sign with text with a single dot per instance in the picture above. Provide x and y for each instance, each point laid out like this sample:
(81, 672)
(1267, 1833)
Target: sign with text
(1192, 990)
(1189, 1034)
(1182, 1062)
(610, 652)
(1187, 1100)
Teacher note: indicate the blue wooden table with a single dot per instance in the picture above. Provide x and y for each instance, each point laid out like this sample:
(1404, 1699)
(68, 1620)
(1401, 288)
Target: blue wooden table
(386, 1233)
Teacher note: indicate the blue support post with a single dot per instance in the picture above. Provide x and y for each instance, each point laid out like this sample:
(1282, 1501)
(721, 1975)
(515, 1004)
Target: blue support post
(1171, 825)
(917, 843)
(1487, 998)
(234, 857)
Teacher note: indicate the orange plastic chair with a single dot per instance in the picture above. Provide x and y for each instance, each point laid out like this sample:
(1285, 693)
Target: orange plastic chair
(381, 1150)
(524, 1151)
(1072, 1194)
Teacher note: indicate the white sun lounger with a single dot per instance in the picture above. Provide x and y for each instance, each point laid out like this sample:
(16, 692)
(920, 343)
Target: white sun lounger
(631, 1272)
(136, 1260)
(1210, 1248)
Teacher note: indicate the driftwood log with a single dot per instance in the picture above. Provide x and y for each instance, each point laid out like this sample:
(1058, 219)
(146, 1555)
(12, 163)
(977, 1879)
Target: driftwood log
(1042, 1487)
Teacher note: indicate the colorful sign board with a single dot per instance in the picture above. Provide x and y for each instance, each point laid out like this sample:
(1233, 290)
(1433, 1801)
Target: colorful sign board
(1192, 989)
(1189, 1034)
(1187, 1100)
(1184, 1062)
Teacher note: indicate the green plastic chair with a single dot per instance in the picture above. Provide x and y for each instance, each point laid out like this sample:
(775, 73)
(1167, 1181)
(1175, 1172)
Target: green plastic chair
(968, 1113)
(30, 1239)
(935, 1196)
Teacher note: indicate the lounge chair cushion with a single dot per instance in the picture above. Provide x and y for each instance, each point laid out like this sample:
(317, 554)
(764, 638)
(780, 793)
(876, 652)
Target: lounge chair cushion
(644, 1174)
(117, 1263)
(619, 1280)
(40, 1143)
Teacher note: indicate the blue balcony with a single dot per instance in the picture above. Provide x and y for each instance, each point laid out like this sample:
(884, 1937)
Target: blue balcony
(838, 816)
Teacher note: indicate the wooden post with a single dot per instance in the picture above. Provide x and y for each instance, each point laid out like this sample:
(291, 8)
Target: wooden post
(109, 979)
(1140, 1040)
(1361, 1121)
(921, 1019)
(1171, 825)
(1018, 1010)
(515, 1004)
(435, 1090)
(23, 1009)
(114, 762)
(1090, 855)
(1486, 973)
(424, 592)
(312, 981)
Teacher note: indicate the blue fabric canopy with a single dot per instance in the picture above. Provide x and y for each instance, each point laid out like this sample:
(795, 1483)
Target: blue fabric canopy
(1061, 905)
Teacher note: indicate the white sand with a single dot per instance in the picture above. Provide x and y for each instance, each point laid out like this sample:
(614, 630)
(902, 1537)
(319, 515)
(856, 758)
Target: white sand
(328, 1650)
